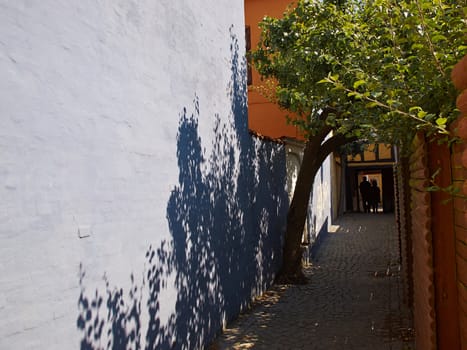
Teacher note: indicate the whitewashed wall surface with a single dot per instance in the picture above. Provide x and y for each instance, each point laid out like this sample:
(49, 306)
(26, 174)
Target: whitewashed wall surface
(320, 203)
(136, 210)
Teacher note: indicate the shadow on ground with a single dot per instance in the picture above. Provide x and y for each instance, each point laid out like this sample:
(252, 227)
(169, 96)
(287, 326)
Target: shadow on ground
(354, 299)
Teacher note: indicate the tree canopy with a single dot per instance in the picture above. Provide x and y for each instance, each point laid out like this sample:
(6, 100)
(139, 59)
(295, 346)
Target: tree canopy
(382, 66)
(374, 70)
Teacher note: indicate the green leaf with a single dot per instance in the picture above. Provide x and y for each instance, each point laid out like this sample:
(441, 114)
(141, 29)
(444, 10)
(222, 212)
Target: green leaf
(437, 38)
(415, 109)
(441, 121)
(376, 94)
(358, 83)
(421, 114)
(372, 104)
(417, 46)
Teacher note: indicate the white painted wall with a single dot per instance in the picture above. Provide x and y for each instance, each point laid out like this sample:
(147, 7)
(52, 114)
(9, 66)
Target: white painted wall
(319, 212)
(319, 208)
(91, 96)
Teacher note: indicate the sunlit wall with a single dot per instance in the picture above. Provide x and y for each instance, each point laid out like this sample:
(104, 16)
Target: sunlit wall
(137, 211)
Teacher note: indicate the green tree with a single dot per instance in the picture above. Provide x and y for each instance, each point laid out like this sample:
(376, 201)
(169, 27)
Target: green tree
(377, 70)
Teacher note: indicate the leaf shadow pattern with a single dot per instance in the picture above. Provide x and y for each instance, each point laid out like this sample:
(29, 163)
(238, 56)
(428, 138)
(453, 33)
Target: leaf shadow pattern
(226, 217)
(113, 321)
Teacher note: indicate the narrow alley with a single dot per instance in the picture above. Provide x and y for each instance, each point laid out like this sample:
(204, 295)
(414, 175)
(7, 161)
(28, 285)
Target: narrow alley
(354, 299)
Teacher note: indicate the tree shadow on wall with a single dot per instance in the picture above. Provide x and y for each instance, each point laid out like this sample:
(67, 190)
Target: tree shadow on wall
(226, 217)
(113, 320)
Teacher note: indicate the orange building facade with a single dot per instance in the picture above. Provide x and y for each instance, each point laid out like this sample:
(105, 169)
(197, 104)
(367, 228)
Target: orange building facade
(264, 117)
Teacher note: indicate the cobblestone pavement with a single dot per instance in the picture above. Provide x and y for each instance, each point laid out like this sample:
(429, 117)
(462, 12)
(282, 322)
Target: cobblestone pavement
(353, 299)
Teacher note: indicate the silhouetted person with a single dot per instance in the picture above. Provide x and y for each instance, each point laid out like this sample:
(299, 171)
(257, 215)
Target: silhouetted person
(365, 191)
(375, 194)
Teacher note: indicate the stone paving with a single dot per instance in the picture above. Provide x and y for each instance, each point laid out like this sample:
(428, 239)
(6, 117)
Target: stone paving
(353, 299)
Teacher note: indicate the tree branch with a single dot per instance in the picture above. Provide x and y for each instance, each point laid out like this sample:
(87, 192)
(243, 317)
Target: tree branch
(332, 144)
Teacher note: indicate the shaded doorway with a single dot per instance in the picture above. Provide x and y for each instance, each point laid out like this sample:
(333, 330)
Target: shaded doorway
(385, 181)
(371, 176)
(387, 184)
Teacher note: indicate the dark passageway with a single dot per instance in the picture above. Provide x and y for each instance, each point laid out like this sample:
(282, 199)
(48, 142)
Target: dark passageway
(354, 299)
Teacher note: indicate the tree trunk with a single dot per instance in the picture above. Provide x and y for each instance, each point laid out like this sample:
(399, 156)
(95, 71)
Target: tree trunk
(314, 155)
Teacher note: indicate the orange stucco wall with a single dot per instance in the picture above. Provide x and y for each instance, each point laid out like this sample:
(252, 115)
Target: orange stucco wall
(265, 117)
